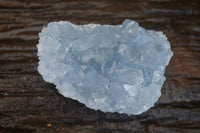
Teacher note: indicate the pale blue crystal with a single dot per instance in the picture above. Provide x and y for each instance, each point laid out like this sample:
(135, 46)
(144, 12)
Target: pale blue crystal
(115, 68)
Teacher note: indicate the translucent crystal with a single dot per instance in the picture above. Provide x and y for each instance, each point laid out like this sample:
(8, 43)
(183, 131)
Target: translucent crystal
(114, 68)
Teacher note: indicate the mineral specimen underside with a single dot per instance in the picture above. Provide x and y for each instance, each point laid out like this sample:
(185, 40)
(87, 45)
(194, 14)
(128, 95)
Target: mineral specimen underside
(112, 68)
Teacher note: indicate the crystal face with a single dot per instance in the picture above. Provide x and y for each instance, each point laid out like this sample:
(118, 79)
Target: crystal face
(114, 68)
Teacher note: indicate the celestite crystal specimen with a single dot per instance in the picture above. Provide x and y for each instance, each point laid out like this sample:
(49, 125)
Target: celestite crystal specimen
(114, 68)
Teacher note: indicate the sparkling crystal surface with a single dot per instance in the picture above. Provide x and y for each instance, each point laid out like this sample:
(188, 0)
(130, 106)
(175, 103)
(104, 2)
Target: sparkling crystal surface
(114, 68)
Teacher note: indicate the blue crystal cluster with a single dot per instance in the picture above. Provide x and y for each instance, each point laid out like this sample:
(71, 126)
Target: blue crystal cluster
(114, 68)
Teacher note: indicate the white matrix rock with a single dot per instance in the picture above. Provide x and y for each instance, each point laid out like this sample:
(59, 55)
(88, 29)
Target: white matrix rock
(114, 68)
